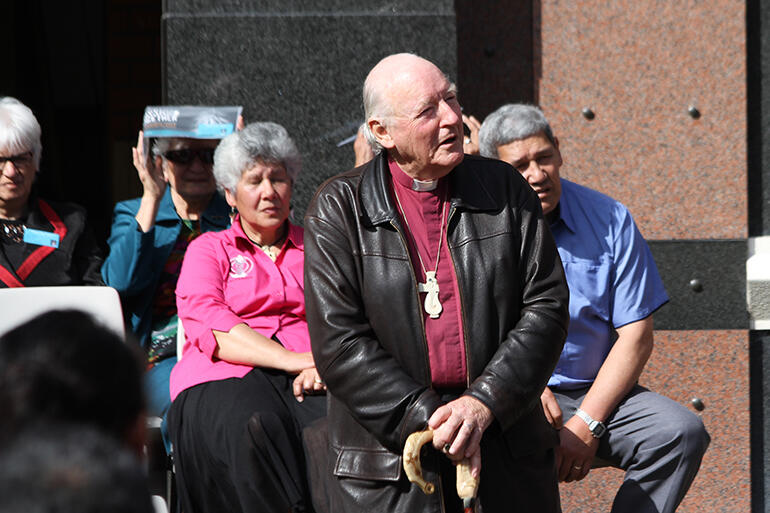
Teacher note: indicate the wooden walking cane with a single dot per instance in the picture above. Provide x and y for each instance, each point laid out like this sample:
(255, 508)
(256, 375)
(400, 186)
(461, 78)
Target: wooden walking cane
(467, 485)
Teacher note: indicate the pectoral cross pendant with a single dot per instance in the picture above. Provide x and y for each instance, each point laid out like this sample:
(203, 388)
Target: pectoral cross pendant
(432, 304)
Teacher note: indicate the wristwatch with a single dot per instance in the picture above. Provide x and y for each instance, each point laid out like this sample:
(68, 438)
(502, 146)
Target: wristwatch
(596, 427)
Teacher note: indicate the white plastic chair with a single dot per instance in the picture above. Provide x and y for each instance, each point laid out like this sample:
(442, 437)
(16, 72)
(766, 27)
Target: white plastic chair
(179, 339)
(18, 305)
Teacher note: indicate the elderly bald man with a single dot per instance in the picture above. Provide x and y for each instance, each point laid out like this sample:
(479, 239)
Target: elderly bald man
(435, 298)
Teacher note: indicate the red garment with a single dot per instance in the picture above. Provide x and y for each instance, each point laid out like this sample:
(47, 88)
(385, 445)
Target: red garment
(39, 254)
(424, 211)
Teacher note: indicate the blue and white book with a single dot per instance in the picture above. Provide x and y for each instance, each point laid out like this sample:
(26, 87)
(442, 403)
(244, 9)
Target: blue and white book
(196, 122)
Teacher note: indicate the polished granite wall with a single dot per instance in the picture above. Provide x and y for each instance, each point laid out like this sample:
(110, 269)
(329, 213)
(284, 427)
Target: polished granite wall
(712, 366)
(639, 66)
(298, 63)
(648, 100)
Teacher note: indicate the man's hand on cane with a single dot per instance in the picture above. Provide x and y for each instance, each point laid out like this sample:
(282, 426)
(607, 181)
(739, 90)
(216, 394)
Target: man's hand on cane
(458, 427)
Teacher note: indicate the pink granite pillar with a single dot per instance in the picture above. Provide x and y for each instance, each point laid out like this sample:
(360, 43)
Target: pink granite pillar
(641, 67)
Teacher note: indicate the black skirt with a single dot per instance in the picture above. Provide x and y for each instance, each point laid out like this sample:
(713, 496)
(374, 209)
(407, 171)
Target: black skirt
(238, 446)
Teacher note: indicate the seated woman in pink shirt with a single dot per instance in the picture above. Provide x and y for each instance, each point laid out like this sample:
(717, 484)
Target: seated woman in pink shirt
(246, 384)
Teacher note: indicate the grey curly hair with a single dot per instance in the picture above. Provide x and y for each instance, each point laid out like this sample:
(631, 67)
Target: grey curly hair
(265, 141)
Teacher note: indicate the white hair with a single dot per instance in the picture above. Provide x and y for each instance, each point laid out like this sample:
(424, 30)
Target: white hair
(375, 107)
(19, 129)
(261, 141)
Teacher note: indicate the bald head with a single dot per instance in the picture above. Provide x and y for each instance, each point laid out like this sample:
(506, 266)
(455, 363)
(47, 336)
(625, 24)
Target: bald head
(395, 68)
(412, 111)
(392, 72)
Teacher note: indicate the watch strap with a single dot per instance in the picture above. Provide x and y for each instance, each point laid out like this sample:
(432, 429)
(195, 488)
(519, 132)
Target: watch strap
(596, 427)
(586, 417)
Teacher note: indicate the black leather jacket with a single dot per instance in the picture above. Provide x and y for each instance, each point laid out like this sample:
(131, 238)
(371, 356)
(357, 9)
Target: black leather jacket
(367, 330)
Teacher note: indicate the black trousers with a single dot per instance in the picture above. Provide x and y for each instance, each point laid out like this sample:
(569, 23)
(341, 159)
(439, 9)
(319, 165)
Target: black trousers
(238, 444)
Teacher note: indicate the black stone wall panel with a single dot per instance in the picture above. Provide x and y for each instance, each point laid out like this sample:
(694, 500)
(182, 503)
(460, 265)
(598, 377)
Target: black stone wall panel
(301, 69)
(706, 284)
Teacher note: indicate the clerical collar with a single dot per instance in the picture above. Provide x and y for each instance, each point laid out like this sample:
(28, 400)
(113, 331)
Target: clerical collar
(424, 185)
(407, 181)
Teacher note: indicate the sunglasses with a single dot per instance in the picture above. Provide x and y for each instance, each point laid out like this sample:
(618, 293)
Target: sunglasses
(186, 155)
(17, 160)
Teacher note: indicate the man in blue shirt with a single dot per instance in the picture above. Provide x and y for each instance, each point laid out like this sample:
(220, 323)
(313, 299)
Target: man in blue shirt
(593, 397)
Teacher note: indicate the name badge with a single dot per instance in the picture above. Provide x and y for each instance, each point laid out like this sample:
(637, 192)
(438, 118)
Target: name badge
(41, 238)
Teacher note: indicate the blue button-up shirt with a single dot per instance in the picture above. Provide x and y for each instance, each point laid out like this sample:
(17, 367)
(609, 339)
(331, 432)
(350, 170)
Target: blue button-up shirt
(612, 278)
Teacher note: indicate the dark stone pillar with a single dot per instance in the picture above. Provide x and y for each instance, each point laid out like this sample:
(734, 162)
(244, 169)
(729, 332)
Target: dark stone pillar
(298, 63)
(758, 114)
(759, 381)
(496, 46)
(758, 118)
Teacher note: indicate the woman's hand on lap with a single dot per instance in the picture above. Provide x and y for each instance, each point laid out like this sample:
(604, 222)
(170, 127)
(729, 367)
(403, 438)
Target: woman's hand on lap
(308, 382)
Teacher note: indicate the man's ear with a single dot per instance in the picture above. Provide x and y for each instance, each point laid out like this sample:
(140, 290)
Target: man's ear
(558, 151)
(381, 133)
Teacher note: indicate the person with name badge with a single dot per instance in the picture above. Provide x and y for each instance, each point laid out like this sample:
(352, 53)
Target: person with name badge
(42, 243)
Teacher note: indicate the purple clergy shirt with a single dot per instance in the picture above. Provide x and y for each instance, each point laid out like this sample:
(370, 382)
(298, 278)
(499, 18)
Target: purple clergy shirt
(427, 214)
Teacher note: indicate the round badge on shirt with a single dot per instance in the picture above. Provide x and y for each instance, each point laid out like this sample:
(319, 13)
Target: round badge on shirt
(240, 266)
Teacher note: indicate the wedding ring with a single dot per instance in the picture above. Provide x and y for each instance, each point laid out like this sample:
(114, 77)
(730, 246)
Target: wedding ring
(467, 140)
(319, 381)
(446, 448)
(577, 467)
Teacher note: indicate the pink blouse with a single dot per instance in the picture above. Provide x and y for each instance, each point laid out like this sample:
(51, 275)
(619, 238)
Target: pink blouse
(226, 280)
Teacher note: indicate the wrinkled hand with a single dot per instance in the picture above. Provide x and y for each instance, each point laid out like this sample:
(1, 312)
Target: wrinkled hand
(461, 424)
(362, 148)
(551, 408)
(471, 142)
(150, 175)
(576, 451)
(307, 382)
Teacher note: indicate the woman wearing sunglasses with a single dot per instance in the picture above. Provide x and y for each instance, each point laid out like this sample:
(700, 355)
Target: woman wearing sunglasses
(246, 385)
(148, 240)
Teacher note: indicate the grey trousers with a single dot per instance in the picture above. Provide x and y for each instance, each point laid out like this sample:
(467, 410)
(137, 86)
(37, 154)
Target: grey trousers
(657, 441)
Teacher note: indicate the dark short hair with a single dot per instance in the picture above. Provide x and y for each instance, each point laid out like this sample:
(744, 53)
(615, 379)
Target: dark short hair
(71, 468)
(64, 366)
